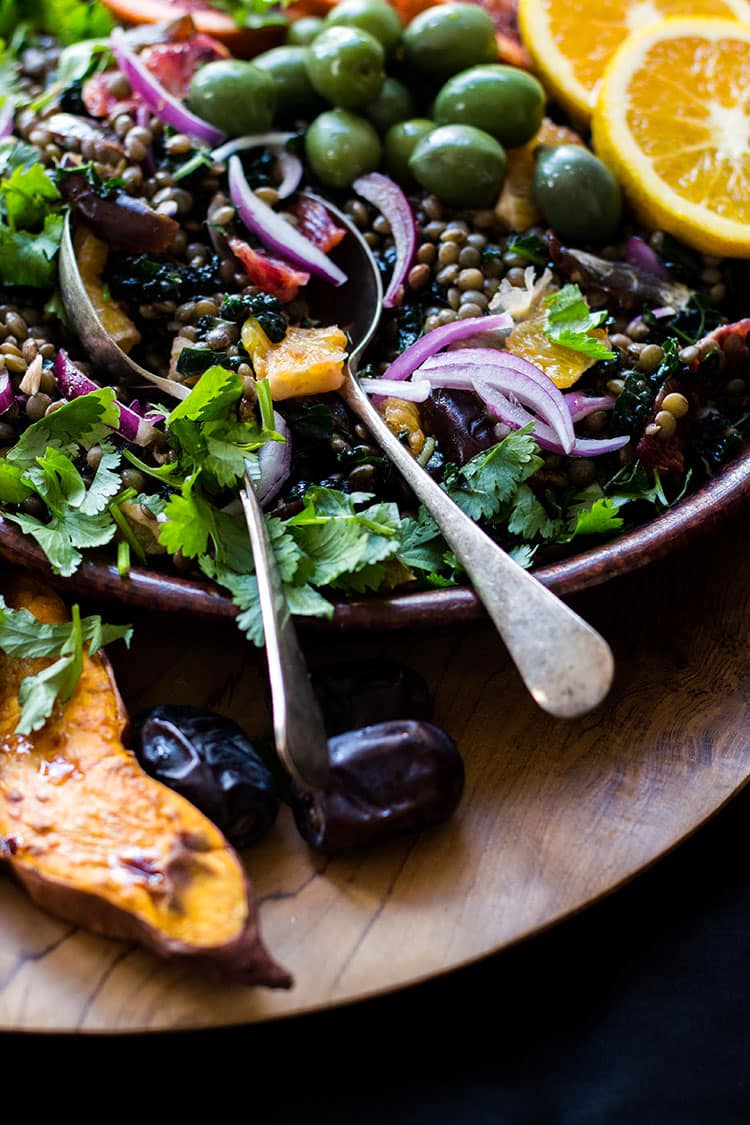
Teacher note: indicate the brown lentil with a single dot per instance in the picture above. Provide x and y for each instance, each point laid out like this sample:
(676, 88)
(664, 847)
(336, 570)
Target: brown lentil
(469, 310)
(381, 225)
(178, 144)
(36, 406)
(15, 364)
(426, 253)
(455, 232)
(620, 341)
(470, 279)
(448, 254)
(447, 275)
(432, 207)
(469, 257)
(637, 330)
(516, 276)
(418, 276)
(615, 386)
(596, 423)
(688, 355)
(650, 358)
(666, 424)
(268, 195)
(676, 404)
(358, 212)
(474, 297)
(736, 387)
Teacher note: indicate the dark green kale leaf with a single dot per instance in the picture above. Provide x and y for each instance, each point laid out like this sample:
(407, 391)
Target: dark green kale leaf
(266, 309)
(142, 279)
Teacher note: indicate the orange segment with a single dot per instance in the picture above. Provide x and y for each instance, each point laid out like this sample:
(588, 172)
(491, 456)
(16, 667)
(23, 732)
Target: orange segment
(571, 41)
(564, 366)
(673, 122)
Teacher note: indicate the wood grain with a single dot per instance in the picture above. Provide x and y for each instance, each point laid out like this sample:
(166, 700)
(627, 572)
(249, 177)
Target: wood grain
(555, 814)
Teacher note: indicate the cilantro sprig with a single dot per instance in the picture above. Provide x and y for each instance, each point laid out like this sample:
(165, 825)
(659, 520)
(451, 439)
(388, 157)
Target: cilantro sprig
(23, 636)
(569, 322)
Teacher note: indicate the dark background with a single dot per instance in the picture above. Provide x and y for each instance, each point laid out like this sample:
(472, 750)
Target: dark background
(637, 1010)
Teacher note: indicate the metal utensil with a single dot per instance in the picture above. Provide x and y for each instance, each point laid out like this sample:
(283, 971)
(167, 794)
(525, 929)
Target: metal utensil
(300, 736)
(301, 740)
(566, 665)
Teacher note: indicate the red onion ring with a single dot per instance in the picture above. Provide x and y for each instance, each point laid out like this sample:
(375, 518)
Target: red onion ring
(416, 391)
(275, 233)
(426, 346)
(290, 169)
(72, 383)
(580, 405)
(389, 199)
(275, 461)
(252, 140)
(7, 397)
(166, 107)
(516, 417)
(639, 253)
(511, 374)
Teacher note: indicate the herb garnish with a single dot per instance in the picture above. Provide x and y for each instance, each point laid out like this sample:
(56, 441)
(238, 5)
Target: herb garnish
(23, 636)
(569, 322)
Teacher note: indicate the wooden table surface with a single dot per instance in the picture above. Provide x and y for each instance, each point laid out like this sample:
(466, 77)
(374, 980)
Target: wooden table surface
(555, 814)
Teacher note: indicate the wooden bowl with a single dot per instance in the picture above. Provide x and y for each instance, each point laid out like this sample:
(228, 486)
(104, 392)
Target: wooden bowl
(151, 589)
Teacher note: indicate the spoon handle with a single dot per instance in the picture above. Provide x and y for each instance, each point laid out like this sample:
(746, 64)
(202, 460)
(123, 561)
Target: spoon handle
(566, 665)
(301, 741)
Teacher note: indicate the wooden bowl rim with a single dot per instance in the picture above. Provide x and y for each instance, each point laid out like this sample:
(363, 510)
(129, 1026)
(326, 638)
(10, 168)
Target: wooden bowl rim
(149, 589)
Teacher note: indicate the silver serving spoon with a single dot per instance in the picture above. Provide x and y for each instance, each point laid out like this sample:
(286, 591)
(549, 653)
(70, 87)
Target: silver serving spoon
(300, 737)
(566, 665)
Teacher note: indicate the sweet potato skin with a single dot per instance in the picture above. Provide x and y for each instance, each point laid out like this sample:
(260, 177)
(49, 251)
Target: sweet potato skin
(96, 841)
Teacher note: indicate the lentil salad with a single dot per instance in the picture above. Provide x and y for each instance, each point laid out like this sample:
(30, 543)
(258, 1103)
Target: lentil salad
(662, 373)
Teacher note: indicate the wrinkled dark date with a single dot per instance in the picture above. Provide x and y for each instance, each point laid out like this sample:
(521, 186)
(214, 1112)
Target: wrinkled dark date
(385, 779)
(207, 759)
(361, 692)
(459, 423)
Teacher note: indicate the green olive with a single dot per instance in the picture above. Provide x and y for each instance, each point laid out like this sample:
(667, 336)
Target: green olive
(341, 146)
(235, 96)
(577, 194)
(345, 65)
(448, 38)
(394, 103)
(294, 92)
(302, 32)
(380, 19)
(502, 100)
(462, 165)
(399, 144)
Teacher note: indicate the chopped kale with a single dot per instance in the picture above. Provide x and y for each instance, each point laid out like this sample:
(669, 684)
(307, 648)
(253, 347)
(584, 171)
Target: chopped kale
(142, 279)
(266, 309)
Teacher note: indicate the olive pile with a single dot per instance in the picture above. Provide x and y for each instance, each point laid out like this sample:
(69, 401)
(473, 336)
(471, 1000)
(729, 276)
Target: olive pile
(391, 770)
(430, 103)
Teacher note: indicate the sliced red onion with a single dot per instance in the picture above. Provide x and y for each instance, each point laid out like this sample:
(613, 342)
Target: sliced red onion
(290, 169)
(640, 254)
(511, 374)
(254, 140)
(389, 199)
(166, 107)
(73, 383)
(6, 118)
(415, 355)
(6, 392)
(416, 391)
(275, 460)
(580, 405)
(667, 310)
(274, 232)
(516, 417)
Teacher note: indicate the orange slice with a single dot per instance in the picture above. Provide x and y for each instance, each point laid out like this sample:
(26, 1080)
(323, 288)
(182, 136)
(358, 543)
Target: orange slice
(563, 365)
(571, 41)
(672, 121)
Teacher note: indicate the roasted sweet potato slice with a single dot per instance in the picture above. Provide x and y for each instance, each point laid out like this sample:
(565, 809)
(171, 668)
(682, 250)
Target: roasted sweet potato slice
(96, 841)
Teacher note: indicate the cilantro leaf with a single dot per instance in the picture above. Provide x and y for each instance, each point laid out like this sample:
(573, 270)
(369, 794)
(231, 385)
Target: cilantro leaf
(486, 483)
(421, 546)
(22, 635)
(529, 518)
(569, 322)
(70, 20)
(106, 483)
(13, 488)
(29, 259)
(216, 391)
(84, 421)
